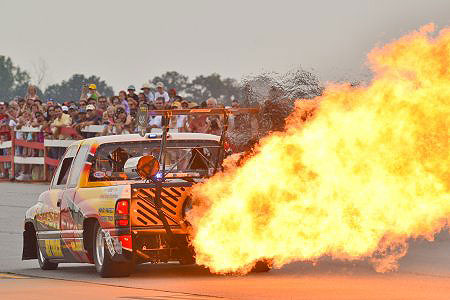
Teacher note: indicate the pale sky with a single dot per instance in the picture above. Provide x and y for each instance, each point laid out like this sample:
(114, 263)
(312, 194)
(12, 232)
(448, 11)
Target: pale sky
(128, 42)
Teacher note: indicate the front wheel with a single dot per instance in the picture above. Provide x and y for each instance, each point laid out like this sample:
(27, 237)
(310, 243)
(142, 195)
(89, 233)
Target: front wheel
(104, 264)
(44, 263)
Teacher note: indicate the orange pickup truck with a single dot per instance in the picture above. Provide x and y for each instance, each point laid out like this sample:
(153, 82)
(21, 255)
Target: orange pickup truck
(113, 203)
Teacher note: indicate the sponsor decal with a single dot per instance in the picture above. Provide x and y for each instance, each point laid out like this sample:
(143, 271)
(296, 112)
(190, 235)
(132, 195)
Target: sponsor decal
(53, 248)
(76, 246)
(99, 174)
(106, 211)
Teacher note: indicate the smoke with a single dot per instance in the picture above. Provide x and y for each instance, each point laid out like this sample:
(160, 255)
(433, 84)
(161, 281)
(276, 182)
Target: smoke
(275, 95)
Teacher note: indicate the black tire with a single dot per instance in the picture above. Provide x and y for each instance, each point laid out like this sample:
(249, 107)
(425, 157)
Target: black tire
(44, 263)
(188, 260)
(261, 266)
(105, 266)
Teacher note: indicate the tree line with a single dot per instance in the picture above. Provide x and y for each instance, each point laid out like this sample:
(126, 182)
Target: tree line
(14, 82)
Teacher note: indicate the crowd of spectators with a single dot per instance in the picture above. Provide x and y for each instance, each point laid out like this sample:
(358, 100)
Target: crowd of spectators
(117, 114)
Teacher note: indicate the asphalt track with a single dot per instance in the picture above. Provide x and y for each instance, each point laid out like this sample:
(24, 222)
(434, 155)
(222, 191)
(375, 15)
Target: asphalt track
(424, 273)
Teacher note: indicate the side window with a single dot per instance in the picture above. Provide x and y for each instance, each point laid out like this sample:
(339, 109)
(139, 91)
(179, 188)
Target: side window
(78, 165)
(64, 172)
(64, 166)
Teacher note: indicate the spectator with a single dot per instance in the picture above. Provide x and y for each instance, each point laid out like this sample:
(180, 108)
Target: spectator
(82, 118)
(37, 172)
(73, 113)
(102, 104)
(4, 116)
(91, 101)
(31, 93)
(83, 104)
(92, 93)
(147, 92)
(39, 121)
(13, 111)
(5, 167)
(108, 116)
(197, 123)
(238, 121)
(182, 120)
(61, 120)
(157, 121)
(87, 118)
(172, 94)
(184, 104)
(92, 115)
(123, 100)
(50, 114)
(141, 98)
(38, 102)
(22, 104)
(213, 122)
(65, 109)
(160, 92)
(120, 99)
(122, 121)
(133, 105)
(211, 102)
(35, 108)
(131, 92)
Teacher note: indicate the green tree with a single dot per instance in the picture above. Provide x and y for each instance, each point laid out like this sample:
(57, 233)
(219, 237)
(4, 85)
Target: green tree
(173, 79)
(13, 80)
(204, 87)
(71, 89)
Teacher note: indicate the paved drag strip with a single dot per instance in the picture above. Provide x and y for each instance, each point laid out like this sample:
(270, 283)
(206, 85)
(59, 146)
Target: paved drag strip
(12, 276)
(10, 232)
(164, 294)
(15, 206)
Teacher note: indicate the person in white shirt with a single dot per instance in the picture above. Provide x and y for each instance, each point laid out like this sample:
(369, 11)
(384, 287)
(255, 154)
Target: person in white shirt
(160, 92)
(157, 121)
(147, 93)
(182, 120)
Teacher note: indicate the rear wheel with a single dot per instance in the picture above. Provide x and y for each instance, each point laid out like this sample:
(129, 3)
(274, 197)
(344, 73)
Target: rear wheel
(44, 263)
(104, 264)
(261, 266)
(188, 260)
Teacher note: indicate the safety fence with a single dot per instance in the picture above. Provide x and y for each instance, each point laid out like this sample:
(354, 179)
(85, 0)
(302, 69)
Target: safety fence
(27, 147)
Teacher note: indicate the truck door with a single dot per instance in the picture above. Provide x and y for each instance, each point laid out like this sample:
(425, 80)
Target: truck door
(71, 216)
(48, 224)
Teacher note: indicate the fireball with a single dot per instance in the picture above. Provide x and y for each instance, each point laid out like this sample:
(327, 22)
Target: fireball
(369, 171)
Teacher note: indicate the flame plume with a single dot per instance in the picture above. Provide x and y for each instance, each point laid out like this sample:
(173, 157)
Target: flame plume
(367, 173)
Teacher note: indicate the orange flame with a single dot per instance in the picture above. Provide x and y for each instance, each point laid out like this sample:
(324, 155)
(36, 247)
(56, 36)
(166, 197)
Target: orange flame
(368, 172)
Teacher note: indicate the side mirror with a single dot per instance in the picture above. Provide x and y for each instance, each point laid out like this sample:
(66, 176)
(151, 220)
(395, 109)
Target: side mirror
(145, 166)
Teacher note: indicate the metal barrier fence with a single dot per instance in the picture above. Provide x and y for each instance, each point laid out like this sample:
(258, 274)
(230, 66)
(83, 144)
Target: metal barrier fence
(10, 157)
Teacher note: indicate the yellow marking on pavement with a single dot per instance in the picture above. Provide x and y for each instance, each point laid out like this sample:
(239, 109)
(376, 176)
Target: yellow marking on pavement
(11, 276)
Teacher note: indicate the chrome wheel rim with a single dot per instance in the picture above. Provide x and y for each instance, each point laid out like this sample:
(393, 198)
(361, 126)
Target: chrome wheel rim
(100, 247)
(41, 256)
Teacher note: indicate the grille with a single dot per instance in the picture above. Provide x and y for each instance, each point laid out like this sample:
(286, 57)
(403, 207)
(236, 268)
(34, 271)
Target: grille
(143, 210)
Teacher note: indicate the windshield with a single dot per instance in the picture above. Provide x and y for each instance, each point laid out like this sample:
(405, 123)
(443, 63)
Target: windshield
(190, 157)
